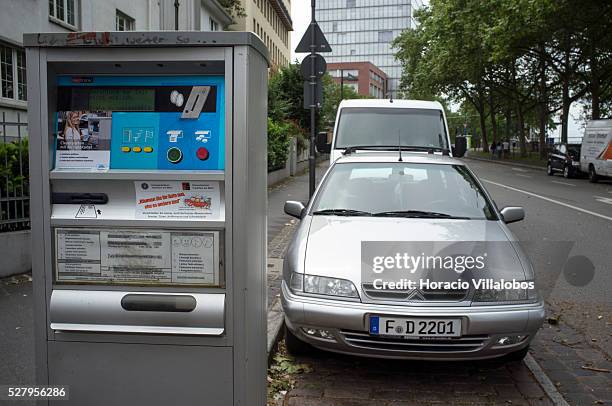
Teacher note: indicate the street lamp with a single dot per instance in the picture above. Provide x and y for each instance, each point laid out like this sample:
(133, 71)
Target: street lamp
(349, 77)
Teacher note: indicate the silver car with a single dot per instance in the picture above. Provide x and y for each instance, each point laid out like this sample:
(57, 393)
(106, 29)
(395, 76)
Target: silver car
(379, 201)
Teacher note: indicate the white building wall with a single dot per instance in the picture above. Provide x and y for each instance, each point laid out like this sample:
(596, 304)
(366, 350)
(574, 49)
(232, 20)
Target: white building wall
(25, 16)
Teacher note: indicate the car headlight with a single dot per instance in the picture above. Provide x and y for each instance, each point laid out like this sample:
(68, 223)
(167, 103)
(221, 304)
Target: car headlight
(322, 285)
(523, 295)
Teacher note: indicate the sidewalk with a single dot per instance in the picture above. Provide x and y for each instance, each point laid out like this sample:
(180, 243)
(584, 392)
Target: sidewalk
(504, 161)
(280, 230)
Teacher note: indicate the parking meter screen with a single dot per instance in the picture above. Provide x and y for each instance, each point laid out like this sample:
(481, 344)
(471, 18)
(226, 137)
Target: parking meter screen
(140, 122)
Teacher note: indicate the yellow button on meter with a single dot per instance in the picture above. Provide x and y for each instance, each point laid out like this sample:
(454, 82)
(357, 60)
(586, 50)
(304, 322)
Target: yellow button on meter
(125, 149)
(148, 149)
(136, 149)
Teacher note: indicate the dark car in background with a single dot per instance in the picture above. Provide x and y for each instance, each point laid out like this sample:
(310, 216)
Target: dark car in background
(564, 158)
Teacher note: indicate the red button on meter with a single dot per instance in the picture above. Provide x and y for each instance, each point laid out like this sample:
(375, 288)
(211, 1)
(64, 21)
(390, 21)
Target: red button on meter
(202, 154)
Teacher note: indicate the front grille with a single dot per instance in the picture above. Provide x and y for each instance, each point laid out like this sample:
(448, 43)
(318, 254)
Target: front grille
(446, 344)
(415, 295)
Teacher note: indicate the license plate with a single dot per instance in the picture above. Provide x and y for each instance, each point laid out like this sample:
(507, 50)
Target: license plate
(415, 327)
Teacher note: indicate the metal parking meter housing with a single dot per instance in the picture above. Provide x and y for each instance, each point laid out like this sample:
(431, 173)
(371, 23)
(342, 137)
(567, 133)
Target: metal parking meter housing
(148, 204)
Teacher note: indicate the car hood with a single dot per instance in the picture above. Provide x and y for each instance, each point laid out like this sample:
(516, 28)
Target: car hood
(334, 243)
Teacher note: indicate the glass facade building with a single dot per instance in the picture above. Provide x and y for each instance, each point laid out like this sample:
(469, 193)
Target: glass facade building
(362, 31)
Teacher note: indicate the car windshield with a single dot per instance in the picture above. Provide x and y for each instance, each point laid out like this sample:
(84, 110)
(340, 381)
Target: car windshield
(399, 189)
(574, 149)
(386, 126)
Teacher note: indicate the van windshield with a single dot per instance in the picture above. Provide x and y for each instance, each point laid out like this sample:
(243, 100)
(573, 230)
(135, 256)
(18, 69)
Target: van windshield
(384, 127)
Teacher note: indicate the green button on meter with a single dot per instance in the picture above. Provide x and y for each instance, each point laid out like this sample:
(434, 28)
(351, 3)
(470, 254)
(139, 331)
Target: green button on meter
(174, 155)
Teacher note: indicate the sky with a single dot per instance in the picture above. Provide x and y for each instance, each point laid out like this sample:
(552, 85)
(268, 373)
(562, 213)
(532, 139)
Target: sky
(300, 14)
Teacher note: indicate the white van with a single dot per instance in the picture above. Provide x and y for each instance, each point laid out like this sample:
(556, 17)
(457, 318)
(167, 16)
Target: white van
(384, 124)
(596, 151)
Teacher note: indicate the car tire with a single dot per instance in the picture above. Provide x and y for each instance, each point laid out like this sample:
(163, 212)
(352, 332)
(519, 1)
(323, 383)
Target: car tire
(549, 170)
(567, 172)
(593, 177)
(516, 356)
(294, 345)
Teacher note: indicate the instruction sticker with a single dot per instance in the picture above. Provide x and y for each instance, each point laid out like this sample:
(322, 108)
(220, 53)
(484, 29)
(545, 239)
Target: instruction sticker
(143, 257)
(175, 200)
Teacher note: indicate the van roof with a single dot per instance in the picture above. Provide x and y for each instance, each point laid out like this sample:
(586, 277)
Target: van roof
(392, 156)
(397, 103)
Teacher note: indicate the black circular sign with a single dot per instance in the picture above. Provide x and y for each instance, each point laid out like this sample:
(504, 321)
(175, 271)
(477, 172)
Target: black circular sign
(320, 66)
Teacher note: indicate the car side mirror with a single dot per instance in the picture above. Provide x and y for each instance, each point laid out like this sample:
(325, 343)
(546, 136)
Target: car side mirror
(460, 147)
(294, 209)
(512, 214)
(321, 143)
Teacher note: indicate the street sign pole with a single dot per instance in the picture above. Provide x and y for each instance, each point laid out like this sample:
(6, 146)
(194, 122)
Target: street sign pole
(312, 70)
(313, 112)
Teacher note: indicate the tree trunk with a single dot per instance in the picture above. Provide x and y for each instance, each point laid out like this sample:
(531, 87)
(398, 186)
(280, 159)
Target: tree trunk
(508, 115)
(543, 113)
(566, 103)
(483, 128)
(521, 132)
(595, 98)
(493, 118)
(542, 141)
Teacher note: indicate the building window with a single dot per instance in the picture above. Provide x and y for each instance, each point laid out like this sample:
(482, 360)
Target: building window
(12, 73)
(385, 36)
(64, 11)
(214, 26)
(351, 3)
(123, 22)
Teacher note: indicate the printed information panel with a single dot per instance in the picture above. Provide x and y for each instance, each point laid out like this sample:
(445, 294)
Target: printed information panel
(137, 256)
(173, 200)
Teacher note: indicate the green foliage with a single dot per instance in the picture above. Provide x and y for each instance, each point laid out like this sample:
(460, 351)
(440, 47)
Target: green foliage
(332, 96)
(279, 140)
(286, 98)
(522, 59)
(14, 168)
(281, 374)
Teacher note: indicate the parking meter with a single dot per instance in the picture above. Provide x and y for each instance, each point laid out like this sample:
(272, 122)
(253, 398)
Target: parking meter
(148, 199)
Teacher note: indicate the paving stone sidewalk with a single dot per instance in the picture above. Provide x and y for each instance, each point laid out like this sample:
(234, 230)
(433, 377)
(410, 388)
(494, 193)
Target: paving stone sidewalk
(575, 365)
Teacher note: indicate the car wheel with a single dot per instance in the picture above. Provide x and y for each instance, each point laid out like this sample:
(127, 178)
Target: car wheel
(549, 170)
(294, 345)
(567, 172)
(593, 178)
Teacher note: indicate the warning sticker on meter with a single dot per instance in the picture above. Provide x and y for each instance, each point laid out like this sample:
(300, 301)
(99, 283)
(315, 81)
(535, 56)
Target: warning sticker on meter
(143, 257)
(177, 200)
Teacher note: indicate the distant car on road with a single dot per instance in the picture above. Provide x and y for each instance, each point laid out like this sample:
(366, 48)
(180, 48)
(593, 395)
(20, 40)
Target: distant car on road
(564, 158)
(416, 199)
(596, 155)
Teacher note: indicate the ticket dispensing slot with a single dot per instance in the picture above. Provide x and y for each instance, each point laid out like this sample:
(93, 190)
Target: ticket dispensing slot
(79, 198)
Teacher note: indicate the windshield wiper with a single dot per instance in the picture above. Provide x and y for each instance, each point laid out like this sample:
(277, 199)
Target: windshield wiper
(341, 212)
(418, 214)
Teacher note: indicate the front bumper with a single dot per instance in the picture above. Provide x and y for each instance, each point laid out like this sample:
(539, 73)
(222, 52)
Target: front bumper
(348, 321)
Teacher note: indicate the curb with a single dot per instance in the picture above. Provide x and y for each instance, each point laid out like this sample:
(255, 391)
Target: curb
(549, 388)
(541, 168)
(275, 323)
